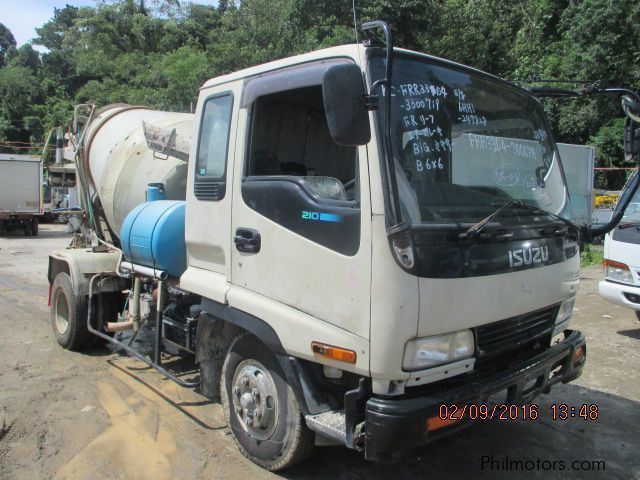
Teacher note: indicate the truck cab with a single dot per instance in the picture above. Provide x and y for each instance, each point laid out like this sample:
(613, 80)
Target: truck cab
(370, 234)
(621, 262)
(286, 225)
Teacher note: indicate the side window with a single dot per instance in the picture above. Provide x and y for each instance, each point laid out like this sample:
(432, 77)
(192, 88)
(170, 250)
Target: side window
(290, 137)
(213, 146)
(297, 176)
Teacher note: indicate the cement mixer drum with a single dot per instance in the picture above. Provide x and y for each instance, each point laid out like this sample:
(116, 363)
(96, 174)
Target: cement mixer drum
(120, 164)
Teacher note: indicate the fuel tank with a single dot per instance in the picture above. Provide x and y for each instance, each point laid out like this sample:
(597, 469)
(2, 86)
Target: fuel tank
(120, 164)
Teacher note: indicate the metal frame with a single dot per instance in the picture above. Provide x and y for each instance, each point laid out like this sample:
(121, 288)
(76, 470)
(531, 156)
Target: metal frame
(156, 363)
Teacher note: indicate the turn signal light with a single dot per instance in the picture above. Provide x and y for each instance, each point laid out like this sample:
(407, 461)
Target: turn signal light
(578, 355)
(612, 263)
(334, 353)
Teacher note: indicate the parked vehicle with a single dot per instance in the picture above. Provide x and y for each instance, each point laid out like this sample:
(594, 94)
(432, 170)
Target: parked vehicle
(578, 162)
(343, 262)
(21, 192)
(621, 284)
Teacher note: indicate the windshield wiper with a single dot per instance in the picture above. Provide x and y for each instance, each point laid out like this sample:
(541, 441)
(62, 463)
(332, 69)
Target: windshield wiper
(629, 224)
(477, 228)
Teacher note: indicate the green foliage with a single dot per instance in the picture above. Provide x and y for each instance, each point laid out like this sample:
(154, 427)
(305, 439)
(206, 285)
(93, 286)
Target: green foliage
(158, 52)
(591, 255)
(18, 92)
(608, 142)
(25, 56)
(7, 41)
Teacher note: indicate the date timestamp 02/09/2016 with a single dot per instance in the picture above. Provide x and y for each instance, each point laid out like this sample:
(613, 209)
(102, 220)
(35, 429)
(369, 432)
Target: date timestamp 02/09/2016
(529, 411)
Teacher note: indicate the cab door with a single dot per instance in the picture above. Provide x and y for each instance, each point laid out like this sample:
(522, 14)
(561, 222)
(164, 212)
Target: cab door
(209, 193)
(301, 214)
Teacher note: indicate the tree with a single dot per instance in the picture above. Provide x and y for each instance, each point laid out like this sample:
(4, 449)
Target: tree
(18, 93)
(6, 41)
(25, 56)
(158, 52)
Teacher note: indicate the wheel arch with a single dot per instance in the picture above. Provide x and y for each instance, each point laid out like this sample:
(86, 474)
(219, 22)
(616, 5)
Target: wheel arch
(57, 265)
(81, 265)
(219, 324)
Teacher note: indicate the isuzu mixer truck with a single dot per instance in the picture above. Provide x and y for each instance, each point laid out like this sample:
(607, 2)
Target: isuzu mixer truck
(345, 240)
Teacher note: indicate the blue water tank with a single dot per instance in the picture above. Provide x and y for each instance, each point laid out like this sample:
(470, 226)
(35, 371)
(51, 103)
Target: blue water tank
(152, 235)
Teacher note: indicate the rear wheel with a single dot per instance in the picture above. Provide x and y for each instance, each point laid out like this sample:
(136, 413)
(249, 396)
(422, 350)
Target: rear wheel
(68, 314)
(34, 226)
(260, 407)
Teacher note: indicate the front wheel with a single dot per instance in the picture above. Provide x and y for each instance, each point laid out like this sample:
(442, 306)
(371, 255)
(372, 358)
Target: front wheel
(260, 407)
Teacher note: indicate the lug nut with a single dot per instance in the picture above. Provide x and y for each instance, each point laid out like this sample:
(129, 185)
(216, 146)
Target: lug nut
(236, 391)
(244, 381)
(255, 392)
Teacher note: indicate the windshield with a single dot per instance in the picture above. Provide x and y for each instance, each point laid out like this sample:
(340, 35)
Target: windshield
(464, 143)
(629, 226)
(632, 212)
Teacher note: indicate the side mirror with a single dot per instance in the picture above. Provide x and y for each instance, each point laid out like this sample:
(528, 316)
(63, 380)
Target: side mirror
(345, 107)
(631, 140)
(631, 108)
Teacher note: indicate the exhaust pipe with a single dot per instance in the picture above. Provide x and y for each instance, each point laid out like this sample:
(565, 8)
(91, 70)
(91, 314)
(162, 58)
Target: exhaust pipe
(134, 311)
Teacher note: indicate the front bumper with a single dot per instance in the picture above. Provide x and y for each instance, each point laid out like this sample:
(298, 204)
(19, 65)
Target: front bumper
(395, 429)
(615, 293)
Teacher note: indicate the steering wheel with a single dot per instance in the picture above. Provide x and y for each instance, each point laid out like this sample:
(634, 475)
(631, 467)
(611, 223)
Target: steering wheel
(350, 184)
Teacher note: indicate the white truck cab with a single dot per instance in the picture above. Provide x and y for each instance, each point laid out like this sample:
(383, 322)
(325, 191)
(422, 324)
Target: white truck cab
(351, 239)
(621, 262)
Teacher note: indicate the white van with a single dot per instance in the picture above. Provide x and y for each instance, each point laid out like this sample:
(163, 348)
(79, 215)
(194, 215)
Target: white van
(621, 284)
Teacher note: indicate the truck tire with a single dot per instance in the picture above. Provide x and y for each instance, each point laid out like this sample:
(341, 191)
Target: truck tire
(68, 314)
(34, 226)
(260, 407)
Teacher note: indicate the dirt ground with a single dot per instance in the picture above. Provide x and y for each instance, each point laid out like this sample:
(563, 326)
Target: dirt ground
(99, 415)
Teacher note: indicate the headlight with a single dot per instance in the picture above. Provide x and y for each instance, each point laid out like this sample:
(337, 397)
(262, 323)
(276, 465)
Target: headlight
(432, 351)
(617, 272)
(564, 314)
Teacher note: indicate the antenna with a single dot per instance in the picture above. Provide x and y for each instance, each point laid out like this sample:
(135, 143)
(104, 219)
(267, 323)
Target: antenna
(355, 24)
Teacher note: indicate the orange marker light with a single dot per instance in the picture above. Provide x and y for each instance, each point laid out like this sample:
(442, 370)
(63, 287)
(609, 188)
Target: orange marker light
(435, 422)
(335, 353)
(611, 263)
(578, 355)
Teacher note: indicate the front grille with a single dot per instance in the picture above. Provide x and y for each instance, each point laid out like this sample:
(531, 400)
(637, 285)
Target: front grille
(506, 342)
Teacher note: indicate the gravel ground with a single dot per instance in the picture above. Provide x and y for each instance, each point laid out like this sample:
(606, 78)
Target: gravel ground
(99, 415)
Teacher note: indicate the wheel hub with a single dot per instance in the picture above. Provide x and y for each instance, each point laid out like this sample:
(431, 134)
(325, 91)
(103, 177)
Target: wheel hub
(255, 399)
(61, 312)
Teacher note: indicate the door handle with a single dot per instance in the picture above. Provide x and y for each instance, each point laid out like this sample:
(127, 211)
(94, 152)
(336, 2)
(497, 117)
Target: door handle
(247, 240)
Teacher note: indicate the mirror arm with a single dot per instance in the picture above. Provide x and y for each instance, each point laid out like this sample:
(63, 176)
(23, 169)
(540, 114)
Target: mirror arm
(620, 91)
(396, 217)
(590, 233)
